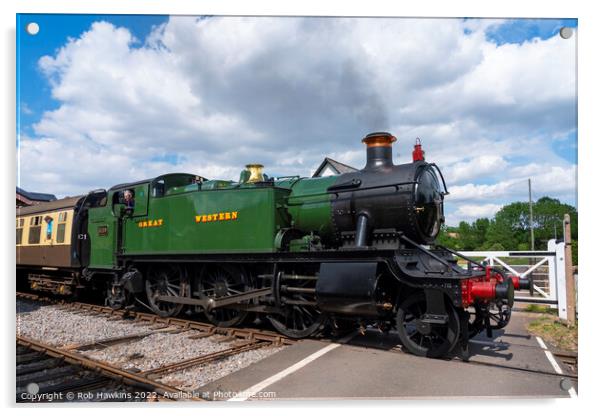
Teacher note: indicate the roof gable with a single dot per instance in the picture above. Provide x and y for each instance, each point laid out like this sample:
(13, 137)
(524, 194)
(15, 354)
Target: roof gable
(332, 165)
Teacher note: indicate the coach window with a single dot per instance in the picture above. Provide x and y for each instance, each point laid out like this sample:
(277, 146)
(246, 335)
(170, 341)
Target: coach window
(60, 230)
(20, 223)
(35, 228)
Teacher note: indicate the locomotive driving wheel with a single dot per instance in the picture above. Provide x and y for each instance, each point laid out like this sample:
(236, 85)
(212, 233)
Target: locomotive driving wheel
(299, 317)
(165, 281)
(297, 321)
(219, 281)
(426, 339)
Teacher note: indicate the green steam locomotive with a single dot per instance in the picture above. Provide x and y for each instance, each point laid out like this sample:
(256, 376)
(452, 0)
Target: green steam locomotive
(305, 253)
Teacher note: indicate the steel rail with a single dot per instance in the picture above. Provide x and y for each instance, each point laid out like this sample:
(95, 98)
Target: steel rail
(118, 374)
(203, 359)
(521, 369)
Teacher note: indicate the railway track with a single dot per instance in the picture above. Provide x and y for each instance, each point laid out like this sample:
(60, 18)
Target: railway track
(151, 319)
(139, 384)
(519, 369)
(46, 373)
(248, 339)
(567, 357)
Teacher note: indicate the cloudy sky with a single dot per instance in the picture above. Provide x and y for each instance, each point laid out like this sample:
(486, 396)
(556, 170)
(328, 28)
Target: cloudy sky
(109, 99)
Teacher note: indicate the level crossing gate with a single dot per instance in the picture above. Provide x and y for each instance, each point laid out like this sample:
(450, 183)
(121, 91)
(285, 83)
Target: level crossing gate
(551, 262)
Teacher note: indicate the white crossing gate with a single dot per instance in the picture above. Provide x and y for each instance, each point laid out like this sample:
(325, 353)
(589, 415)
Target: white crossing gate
(551, 260)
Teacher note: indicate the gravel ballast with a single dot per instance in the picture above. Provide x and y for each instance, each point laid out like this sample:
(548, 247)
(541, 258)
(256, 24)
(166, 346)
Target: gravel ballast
(196, 377)
(158, 350)
(58, 327)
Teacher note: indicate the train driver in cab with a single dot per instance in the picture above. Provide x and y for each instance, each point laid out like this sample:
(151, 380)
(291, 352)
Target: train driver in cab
(128, 200)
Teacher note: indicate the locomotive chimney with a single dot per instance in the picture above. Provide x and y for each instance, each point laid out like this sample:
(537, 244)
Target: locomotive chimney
(379, 150)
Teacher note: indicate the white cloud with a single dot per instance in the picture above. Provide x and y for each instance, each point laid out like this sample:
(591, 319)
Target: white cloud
(476, 167)
(25, 109)
(546, 180)
(469, 212)
(485, 210)
(222, 92)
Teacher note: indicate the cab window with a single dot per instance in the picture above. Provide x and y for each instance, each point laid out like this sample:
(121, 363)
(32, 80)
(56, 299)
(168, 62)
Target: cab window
(175, 184)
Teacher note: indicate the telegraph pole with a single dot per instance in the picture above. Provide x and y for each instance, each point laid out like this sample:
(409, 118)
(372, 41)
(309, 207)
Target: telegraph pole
(531, 218)
(570, 279)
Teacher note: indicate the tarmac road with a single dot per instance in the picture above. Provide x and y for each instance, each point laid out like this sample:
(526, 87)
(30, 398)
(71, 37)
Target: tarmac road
(371, 366)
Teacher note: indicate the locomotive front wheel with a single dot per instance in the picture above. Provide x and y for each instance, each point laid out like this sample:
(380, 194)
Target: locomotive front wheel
(426, 339)
(165, 281)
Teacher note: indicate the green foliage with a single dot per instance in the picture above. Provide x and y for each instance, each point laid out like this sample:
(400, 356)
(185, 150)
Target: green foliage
(540, 309)
(523, 247)
(496, 247)
(510, 230)
(446, 238)
(555, 332)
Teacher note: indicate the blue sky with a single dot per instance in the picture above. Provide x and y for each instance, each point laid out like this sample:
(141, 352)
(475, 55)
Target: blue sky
(55, 30)
(521, 30)
(493, 100)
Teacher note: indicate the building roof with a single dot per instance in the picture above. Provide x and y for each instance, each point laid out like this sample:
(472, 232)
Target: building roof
(36, 196)
(335, 166)
(69, 202)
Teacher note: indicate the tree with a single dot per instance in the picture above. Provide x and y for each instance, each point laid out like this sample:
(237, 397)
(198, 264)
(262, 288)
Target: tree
(466, 237)
(510, 228)
(480, 227)
(447, 237)
(496, 247)
(548, 217)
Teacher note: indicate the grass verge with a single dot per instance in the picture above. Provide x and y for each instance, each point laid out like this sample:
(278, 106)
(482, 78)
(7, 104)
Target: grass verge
(555, 332)
(540, 309)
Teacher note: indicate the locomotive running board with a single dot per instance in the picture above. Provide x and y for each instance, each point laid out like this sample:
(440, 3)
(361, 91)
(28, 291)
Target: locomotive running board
(212, 303)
